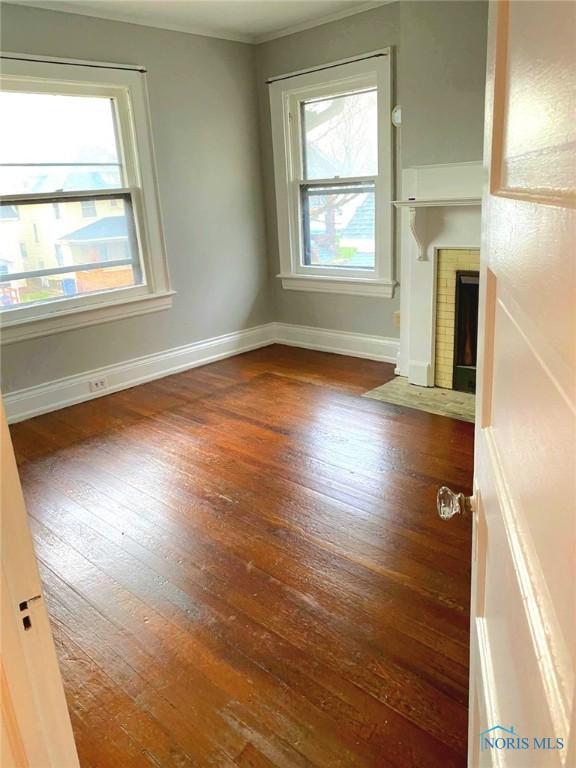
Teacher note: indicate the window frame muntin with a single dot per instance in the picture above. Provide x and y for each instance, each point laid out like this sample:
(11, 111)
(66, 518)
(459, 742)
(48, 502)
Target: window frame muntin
(136, 154)
(286, 94)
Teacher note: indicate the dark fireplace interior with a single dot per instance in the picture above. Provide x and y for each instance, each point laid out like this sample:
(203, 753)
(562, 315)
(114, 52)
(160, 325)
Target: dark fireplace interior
(466, 331)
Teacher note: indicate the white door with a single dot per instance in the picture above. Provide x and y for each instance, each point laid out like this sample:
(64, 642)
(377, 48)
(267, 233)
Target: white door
(36, 730)
(523, 640)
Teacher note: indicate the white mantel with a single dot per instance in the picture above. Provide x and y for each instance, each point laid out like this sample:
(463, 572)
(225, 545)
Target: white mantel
(441, 207)
(418, 217)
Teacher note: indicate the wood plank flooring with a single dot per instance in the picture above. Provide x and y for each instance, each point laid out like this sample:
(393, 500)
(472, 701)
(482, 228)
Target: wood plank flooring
(244, 567)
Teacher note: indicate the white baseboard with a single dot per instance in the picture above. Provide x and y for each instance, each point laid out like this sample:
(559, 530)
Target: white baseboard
(25, 403)
(339, 342)
(53, 395)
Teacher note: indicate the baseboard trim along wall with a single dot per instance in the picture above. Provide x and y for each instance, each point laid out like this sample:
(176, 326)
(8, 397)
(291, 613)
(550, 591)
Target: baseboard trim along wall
(53, 395)
(338, 342)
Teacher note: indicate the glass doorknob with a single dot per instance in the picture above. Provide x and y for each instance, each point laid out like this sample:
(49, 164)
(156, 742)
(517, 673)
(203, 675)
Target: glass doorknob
(449, 503)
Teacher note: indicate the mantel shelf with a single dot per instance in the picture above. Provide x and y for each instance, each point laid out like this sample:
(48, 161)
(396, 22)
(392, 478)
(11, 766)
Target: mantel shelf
(438, 202)
(417, 227)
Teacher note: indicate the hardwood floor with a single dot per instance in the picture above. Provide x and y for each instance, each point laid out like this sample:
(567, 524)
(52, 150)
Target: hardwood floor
(244, 567)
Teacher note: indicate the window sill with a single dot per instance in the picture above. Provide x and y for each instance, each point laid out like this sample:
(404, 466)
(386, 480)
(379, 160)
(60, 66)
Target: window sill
(21, 329)
(355, 286)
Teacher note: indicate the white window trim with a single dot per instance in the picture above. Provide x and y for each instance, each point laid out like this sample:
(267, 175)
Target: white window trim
(128, 88)
(285, 97)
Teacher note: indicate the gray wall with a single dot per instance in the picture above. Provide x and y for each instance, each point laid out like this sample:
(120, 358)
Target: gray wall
(440, 58)
(205, 130)
(441, 76)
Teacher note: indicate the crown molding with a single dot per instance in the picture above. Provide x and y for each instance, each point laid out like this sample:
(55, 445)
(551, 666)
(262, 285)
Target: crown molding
(62, 6)
(71, 8)
(303, 26)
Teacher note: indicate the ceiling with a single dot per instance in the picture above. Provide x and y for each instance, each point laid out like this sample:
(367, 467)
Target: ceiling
(250, 21)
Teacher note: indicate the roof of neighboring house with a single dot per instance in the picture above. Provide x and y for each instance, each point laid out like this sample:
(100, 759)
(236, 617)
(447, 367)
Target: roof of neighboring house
(361, 225)
(109, 228)
(70, 181)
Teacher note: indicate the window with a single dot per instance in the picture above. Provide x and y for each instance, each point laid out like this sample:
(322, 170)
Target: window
(86, 245)
(331, 134)
(88, 209)
(9, 213)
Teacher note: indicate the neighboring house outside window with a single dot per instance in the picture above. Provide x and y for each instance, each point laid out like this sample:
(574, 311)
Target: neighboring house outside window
(83, 164)
(88, 209)
(12, 251)
(105, 241)
(332, 142)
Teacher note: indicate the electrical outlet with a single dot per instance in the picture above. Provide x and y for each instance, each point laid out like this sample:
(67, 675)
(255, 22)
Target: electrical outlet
(98, 385)
(397, 319)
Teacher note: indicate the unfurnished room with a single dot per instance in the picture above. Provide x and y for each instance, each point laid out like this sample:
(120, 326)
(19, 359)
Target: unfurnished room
(288, 373)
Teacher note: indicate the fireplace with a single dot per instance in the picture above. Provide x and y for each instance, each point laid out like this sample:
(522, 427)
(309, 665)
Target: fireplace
(440, 234)
(465, 331)
(456, 318)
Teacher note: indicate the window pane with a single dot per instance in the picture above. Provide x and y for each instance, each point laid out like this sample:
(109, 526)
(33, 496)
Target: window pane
(20, 180)
(340, 136)
(34, 290)
(338, 226)
(75, 149)
(67, 253)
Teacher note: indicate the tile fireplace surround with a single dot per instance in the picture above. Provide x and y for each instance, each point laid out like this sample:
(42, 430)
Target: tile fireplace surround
(445, 216)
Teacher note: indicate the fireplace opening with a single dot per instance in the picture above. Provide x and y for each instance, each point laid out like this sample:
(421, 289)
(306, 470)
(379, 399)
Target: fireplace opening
(466, 331)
